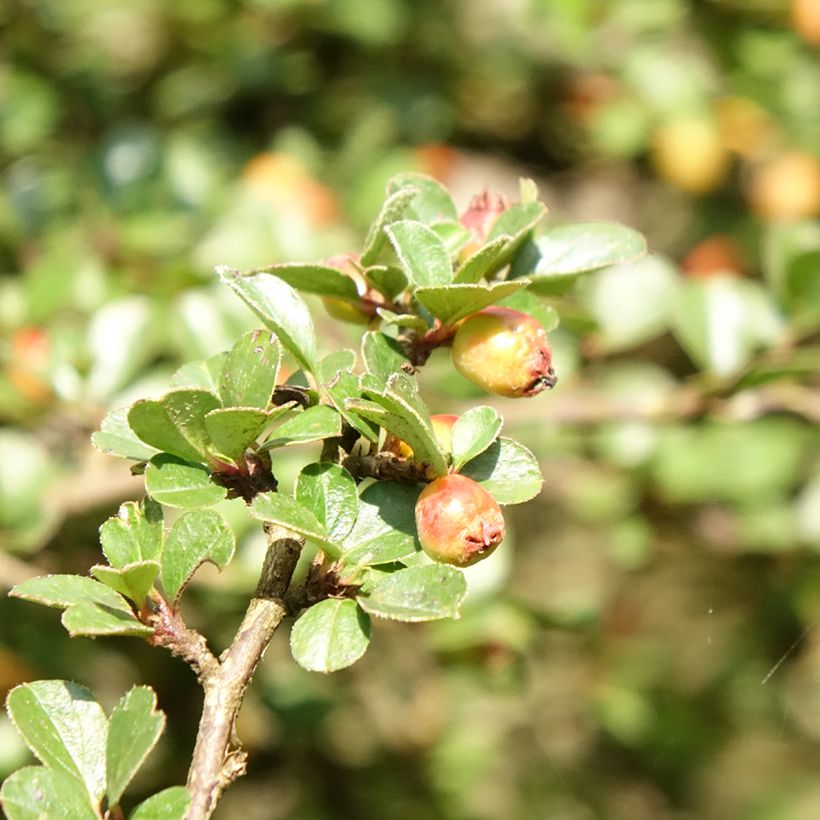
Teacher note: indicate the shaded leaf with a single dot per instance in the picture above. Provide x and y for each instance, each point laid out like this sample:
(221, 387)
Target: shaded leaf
(422, 593)
(250, 371)
(329, 636)
(280, 308)
(507, 470)
(178, 483)
(422, 254)
(402, 319)
(483, 262)
(61, 591)
(452, 234)
(134, 728)
(474, 431)
(329, 492)
(199, 536)
(385, 528)
(387, 279)
(65, 728)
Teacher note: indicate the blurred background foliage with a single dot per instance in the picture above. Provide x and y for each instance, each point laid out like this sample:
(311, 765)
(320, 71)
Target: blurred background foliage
(646, 644)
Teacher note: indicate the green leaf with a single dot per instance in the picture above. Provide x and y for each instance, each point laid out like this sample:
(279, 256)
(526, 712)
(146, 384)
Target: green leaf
(250, 371)
(422, 254)
(176, 423)
(134, 534)
(721, 322)
(313, 424)
(202, 375)
(423, 593)
(345, 387)
(527, 302)
(65, 728)
(116, 438)
(402, 319)
(392, 210)
(133, 730)
(289, 513)
(169, 804)
(61, 591)
(473, 433)
(571, 250)
(483, 262)
(198, 536)
(333, 363)
(329, 636)
(517, 221)
(178, 483)
(280, 308)
(91, 619)
(36, 793)
(450, 303)
(329, 492)
(385, 529)
(382, 355)
(387, 279)
(432, 201)
(398, 408)
(453, 234)
(233, 430)
(507, 470)
(319, 279)
(132, 580)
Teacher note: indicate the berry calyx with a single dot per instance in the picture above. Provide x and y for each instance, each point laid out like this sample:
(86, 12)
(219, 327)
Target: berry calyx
(504, 351)
(458, 521)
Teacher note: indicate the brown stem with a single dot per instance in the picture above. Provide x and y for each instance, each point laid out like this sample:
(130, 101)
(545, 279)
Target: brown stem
(387, 467)
(218, 757)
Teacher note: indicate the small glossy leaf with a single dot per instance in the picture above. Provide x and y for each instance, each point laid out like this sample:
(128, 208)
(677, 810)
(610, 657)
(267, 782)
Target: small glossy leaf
(313, 424)
(329, 636)
(61, 591)
(507, 470)
(199, 536)
(116, 438)
(232, 430)
(570, 250)
(148, 419)
(517, 220)
(250, 371)
(289, 513)
(134, 728)
(65, 728)
(423, 593)
(422, 254)
(392, 210)
(449, 303)
(169, 804)
(37, 793)
(473, 433)
(202, 375)
(385, 529)
(483, 262)
(280, 308)
(132, 580)
(319, 279)
(329, 492)
(387, 279)
(432, 202)
(331, 364)
(92, 620)
(382, 355)
(134, 534)
(187, 410)
(178, 483)
(343, 388)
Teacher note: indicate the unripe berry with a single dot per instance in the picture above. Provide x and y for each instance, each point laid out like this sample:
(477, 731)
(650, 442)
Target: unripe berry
(504, 351)
(458, 521)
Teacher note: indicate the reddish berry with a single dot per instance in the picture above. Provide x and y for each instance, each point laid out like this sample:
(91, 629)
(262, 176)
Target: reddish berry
(458, 521)
(504, 351)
